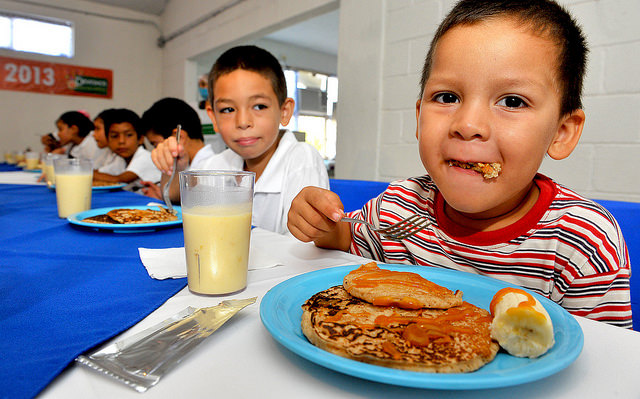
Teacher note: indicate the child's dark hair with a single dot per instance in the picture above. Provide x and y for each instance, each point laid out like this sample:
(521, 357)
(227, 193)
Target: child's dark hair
(104, 114)
(165, 114)
(250, 58)
(121, 115)
(545, 18)
(79, 120)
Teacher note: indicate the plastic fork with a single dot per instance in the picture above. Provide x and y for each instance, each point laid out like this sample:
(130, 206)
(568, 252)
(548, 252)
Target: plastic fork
(165, 189)
(398, 231)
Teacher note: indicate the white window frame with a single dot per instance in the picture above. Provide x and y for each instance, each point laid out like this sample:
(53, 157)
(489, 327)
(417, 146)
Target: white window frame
(67, 53)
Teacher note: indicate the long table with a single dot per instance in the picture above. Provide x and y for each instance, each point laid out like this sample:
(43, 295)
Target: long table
(240, 360)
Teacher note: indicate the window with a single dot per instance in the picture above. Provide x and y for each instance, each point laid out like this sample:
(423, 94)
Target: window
(316, 97)
(36, 35)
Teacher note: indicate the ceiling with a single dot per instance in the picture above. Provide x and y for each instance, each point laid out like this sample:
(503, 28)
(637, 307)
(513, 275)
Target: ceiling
(319, 33)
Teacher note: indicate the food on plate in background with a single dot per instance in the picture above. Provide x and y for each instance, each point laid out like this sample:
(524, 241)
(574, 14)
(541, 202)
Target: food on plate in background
(132, 216)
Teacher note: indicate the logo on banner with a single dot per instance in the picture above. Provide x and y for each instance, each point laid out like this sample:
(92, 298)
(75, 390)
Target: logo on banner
(53, 78)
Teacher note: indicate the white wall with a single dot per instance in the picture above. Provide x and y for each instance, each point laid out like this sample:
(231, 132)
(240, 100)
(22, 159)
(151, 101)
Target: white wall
(244, 23)
(381, 50)
(127, 48)
(380, 109)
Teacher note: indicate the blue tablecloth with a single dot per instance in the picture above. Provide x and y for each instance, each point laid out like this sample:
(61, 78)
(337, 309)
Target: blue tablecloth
(5, 167)
(64, 290)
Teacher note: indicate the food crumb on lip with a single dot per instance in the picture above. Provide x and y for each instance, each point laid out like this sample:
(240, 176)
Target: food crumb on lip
(488, 170)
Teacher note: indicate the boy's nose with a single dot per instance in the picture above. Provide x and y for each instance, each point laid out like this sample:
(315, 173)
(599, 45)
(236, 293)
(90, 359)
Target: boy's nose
(471, 122)
(244, 119)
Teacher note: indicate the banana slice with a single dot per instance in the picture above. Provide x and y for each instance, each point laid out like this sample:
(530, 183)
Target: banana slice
(520, 324)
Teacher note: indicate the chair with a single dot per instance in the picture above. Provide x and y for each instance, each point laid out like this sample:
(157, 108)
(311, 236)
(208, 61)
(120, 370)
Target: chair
(628, 216)
(355, 193)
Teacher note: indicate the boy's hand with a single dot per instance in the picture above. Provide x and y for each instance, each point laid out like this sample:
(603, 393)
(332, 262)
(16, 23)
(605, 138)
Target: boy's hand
(150, 189)
(315, 215)
(164, 154)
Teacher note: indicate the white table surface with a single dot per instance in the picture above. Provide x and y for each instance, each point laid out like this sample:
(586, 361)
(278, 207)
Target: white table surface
(20, 177)
(242, 360)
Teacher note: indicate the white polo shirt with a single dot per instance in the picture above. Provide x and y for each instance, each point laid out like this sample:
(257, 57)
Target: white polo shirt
(142, 165)
(88, 149)
(293, 166)
(202, 155)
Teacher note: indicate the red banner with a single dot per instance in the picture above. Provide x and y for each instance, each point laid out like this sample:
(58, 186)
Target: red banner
(53, 78)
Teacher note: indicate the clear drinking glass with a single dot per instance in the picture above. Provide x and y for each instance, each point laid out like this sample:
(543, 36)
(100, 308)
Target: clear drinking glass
(216, 220)
(73, 185)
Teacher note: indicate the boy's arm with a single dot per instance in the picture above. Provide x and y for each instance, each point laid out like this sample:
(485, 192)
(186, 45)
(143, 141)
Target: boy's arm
(314, 216)
(163, 156)
(125, 177)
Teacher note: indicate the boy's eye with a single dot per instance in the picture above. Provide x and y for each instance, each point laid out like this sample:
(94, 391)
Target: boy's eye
(259, 107)
(225, 110)
(446, 98)
(512, 102)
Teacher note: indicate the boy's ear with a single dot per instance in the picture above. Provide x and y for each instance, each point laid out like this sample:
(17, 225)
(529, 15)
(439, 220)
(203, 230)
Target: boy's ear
(567, 136)
(418, 118)
(286, 111)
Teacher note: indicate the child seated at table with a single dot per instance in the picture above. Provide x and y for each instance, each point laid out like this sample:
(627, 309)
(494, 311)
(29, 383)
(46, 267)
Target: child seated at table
(247, 104)
(159, 126)
(76, 136)
(501, 84)
(123, 135)
(107, 160)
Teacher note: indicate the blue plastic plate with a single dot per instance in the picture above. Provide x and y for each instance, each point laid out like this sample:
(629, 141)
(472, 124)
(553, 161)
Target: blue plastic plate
(281, 314)
(77, 218)
(114, 186)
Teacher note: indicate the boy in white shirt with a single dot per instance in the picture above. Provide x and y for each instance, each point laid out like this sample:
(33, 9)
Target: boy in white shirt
(123, 127)
(107, 160)
(159, 126)
(247, 104)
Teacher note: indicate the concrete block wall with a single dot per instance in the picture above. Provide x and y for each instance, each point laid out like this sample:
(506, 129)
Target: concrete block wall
(605, 163)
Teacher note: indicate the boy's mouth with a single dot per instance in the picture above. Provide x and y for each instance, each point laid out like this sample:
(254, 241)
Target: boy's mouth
(487, 170)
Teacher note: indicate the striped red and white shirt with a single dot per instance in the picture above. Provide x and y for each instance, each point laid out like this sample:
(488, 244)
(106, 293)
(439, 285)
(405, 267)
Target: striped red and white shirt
(566, 248)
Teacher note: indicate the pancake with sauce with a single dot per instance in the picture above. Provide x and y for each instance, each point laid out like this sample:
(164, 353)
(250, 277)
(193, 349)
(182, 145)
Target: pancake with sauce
(402, 289)
(102, 219)
(521, 325)
(453, 340)
(132, 216)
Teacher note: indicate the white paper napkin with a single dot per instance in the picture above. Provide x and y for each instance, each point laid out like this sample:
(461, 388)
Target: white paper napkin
(166, 263)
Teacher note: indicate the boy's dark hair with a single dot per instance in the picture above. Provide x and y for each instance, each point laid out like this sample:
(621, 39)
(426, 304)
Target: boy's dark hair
(165, 115)
(250, 58)
(79, 120)
(121, 115)
(104, 114)
(545, 18)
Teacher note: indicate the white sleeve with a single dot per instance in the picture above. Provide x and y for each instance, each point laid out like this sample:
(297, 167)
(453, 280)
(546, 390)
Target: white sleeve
(305, 167)
(143, 166)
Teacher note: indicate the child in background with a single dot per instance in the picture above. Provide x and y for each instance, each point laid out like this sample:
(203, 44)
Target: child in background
(107, 160)
(159, 126)
(123, 134)
(501, 84)
(76, 138)
(247, 104)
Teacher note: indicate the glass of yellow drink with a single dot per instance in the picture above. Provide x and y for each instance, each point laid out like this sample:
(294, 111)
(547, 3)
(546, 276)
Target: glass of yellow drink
(49, 172)
(32, 159)
(73, 185)
(216, 220)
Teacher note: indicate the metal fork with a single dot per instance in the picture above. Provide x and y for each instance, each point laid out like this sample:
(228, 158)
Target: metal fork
(165, 189)
(398, 231)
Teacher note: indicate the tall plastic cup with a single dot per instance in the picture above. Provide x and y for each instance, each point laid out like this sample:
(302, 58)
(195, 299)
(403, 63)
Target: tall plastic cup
(216, 220)
(49, 172)
(73, 185)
